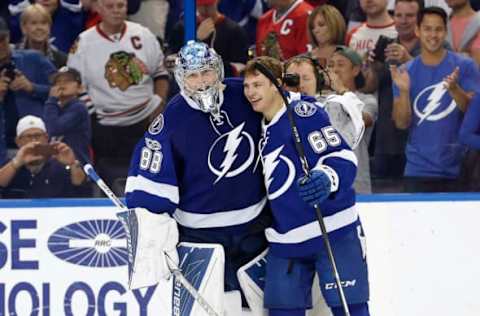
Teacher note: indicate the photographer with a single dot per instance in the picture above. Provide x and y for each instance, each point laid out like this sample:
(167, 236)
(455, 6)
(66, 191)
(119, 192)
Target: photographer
(24, 83)
(349, 110)
(303, 74)
(40, 169)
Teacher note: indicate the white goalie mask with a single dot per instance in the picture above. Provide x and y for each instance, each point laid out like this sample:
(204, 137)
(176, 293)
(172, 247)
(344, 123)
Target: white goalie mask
(194, 60)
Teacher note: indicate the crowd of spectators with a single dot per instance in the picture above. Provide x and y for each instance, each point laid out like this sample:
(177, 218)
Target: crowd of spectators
(81, 80)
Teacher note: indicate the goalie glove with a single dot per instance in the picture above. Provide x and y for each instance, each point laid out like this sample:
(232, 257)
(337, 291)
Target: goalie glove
(151, 242)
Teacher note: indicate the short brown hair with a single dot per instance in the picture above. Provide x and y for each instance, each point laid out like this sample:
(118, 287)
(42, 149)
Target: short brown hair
(274, 65)
(32, 10)
(335, 23)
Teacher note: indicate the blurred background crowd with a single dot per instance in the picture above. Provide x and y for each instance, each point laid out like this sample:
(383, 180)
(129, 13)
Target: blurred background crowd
(81, 80)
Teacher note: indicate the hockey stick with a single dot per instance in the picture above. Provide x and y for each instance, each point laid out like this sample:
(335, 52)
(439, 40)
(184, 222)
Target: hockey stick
(306, 169)
(92, 174)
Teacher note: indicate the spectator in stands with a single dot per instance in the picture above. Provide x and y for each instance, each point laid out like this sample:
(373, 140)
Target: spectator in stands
(285, 23)
(326, 30)
(66, 116)
(121, 64)
(389, 162)
(344, 108)
(153, 15)
(219, 32)
(470, 129)
(245, 12)
(363, 38)
(36, 22)
(25, 82)
(430, 96)
(68, 20)
(470, 135)
(346, 64)
(464, 29)
(40, 169)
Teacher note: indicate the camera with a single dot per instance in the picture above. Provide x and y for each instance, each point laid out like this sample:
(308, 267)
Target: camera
(382, 43)
(291, 80)
(8, 70)
(45, 150)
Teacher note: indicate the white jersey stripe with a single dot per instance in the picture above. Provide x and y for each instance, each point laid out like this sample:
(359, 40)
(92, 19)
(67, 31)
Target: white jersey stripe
(219, 219)
(342, 154)
(140, 183)
(312, 229)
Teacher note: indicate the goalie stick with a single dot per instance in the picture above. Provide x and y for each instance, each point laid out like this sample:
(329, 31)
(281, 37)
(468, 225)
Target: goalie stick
(92, 174)
(306, 169)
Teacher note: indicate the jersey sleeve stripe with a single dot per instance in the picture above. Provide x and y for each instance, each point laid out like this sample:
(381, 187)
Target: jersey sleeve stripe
(312, 229)
(342, 154)
(219, 219)
(140, 183)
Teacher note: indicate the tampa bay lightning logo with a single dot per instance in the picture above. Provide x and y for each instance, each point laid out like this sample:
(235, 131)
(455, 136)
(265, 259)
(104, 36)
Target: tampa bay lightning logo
(433, 103)
(305, 109)
(270, 162)
(223, 157)
(92, 243)
(157, 125)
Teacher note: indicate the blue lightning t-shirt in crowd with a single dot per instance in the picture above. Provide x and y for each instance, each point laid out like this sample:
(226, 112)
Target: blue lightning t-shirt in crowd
(199, 167)
(295, 231)
(433, 148)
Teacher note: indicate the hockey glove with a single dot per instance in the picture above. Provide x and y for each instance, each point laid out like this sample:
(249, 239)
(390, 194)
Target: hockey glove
(314, 188)
(151, 242)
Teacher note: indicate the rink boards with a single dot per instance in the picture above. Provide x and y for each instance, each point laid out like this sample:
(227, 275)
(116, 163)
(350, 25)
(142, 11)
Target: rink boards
(68, 257)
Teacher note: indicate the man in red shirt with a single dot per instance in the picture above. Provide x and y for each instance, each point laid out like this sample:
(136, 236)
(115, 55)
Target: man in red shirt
(282, 30)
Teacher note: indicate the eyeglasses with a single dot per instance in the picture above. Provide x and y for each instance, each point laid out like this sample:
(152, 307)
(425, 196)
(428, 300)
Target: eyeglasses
(36, 136)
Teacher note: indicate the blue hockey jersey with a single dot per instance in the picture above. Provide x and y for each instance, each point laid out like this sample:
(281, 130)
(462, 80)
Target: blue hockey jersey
(198, 167)
(295, 231)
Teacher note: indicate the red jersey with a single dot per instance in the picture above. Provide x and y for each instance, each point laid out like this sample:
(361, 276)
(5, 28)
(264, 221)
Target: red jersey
(285, 36)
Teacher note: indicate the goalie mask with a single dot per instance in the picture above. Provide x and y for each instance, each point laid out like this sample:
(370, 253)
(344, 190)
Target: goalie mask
(199, 74)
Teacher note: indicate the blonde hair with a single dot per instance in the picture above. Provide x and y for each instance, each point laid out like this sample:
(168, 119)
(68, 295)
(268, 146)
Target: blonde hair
(334, 21)
(34, 10)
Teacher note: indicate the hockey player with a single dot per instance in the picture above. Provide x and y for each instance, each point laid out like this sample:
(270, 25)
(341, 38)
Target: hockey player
(197, 164)
(296, 249)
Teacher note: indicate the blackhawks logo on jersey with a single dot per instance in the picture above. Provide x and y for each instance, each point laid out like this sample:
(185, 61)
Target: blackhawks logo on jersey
(271, 46)
(124, 70)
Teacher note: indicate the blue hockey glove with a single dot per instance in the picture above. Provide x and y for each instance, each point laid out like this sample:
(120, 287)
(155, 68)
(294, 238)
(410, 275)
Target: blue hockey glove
(314, 188)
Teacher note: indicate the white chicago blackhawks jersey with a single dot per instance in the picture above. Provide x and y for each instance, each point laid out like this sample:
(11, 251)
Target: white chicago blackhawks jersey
(118, 72)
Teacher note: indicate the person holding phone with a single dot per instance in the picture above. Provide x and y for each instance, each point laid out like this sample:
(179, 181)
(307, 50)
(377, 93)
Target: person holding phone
(40, 169)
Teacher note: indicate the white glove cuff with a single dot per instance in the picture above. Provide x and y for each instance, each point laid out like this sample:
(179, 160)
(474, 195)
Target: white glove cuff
(334, 180)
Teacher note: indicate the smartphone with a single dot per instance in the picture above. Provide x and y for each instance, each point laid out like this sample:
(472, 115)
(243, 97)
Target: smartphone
(46, 150)
(382, 43)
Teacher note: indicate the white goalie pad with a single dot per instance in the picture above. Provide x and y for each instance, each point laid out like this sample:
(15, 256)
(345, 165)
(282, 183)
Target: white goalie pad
(252, 280)
(203, 266)
(150, 237)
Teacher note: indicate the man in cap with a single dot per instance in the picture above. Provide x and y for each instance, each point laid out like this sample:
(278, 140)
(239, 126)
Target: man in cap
(346, 64)
(40, 169)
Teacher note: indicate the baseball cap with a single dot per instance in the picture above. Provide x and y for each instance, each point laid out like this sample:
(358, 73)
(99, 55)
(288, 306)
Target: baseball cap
(206, 2)
(355, 59)
(349, 53)
(70, 72)
(28, 122)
